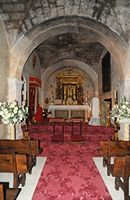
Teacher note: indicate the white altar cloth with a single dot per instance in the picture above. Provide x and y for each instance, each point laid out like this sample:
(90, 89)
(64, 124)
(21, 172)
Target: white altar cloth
(53, 108)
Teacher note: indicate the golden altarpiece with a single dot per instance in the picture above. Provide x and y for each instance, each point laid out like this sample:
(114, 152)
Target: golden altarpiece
(69, 95)
(69, 86)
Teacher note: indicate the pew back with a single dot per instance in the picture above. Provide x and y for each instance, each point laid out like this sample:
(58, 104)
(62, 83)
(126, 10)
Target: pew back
(13, 163)
(114, 148)
(121, 166)
(20, 146)
(16, 164)
(28, 147)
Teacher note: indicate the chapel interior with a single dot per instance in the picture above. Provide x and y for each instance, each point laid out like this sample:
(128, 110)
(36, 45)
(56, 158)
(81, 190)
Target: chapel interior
(62, 54)
(64, 57)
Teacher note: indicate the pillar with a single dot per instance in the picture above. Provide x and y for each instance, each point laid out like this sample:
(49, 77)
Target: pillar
(124, 90)
(14, 93)
(14, 89)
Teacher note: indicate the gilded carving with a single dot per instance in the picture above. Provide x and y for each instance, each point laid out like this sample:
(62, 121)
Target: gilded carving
(69, 86)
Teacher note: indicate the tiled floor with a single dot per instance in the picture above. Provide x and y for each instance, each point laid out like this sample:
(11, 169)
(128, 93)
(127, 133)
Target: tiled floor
(31, 180)
(108, 180)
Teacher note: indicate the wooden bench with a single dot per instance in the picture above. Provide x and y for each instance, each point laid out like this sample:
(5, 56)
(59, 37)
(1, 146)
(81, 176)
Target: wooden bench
(8, 193)
(28, 147)
(16, 164)
(121, 171)
(110, 149)
(1, 192)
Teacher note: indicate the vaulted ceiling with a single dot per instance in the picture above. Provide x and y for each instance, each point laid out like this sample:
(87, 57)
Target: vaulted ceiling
(69, 46)
(22, 16)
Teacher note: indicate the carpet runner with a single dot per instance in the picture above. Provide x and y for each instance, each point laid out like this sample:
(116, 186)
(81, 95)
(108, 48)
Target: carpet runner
(70, 172)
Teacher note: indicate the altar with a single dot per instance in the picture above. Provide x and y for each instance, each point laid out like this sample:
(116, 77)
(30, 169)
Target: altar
(69, 111)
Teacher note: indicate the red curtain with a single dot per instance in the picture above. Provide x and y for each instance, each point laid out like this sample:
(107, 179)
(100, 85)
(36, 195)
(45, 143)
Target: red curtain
(32, 91)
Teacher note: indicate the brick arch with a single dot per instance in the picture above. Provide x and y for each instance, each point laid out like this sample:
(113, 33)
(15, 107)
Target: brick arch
(109, 39)
(40, 12)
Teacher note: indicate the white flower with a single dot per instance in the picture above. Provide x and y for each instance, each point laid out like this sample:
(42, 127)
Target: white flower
(12, 113)
(121, 111)
(124, 107)
(15, 109)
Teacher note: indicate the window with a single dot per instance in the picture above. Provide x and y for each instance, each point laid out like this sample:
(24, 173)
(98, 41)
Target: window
(106, 73)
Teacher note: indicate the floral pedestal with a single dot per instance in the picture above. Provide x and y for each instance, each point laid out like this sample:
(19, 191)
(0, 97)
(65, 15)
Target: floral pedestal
(14, 131)
(19, 132)
(11, 132)
(124, 133)
(12, 115)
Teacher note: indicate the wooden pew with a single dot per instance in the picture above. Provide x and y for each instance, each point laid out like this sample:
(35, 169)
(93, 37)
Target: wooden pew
(16, 164)
(7, 193)
(1, 192)
(110, 149)
(29, 147)
(121, 171)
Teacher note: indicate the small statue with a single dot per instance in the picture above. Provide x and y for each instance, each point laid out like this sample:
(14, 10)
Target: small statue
(69, 100)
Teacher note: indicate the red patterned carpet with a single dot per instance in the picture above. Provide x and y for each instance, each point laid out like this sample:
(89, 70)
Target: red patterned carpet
(69, 172)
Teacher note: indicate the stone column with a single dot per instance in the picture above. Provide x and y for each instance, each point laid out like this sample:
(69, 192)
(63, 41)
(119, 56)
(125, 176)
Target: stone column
(14, 89)
(14, 93)
(124, 90)
(124, 133)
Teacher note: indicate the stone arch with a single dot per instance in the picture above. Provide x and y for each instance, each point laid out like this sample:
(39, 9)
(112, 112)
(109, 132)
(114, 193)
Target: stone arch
(110, 40)
(73, 63)
(54, 9)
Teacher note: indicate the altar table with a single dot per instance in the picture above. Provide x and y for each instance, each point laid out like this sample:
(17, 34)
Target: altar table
(69, 111)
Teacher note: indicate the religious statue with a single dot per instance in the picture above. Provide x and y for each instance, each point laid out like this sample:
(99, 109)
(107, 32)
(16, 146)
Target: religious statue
(69, 100)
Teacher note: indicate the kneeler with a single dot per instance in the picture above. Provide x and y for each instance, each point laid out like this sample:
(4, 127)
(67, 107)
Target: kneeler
(58, 130)
(76, 135)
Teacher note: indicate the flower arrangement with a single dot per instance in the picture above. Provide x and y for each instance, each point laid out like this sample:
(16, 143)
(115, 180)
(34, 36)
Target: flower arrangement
(121, 111)
(12, 113)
